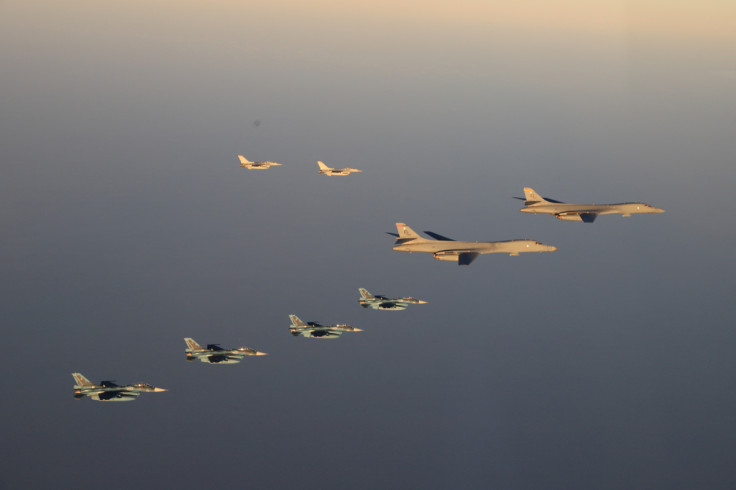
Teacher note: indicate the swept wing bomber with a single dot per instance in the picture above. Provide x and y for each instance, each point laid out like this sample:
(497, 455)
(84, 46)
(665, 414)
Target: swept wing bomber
(378, 302)
(245, 163)
(108, 391)
(317, 331)
(449, 250)
(587, 213)
(214, 354)
(325, 170)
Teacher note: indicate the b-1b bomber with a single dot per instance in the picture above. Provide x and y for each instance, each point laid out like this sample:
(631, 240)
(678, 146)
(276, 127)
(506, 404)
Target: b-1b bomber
(587, 213)
(463, 253)
(214, 354)
(379, 302)
(317, 331)
(108, 391)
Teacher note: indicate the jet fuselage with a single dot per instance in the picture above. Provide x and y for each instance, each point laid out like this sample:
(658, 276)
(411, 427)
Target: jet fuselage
(512, 247)
(625, 208)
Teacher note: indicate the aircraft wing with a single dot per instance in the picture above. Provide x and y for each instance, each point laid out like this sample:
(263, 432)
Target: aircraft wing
(109, 395)
(585, 216)
(465, 258)
(437, 236)
(223, 357)
(588, 217)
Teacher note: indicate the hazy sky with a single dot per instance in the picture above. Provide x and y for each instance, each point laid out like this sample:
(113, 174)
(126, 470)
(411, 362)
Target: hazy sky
(127, 225)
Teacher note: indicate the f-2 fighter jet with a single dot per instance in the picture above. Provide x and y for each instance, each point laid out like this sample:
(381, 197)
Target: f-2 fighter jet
(245, 163)
(108, 391)
(378, 302)
(214, 354)
(325, 170)
(317, 331)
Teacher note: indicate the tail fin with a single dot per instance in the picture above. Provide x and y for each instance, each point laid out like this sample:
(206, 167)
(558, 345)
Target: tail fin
(296, 321)
(81, 380)
(192, 344)
(243, 159)
(532, 197)
(406, 233)
(365, 294)
(322, 166)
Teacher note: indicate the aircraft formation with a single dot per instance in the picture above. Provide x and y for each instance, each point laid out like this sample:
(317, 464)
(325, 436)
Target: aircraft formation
(441, 247)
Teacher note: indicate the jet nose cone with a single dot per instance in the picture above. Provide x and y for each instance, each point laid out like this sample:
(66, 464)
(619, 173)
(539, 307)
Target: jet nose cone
(357, 329)
(158, 390)
(422, 302)
(658, 210)
(261, 353)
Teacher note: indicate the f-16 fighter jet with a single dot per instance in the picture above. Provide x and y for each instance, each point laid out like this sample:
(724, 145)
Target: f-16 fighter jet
(107, 391)
(245, 163)
(587, 213)
(325, 170)
(378, 302)
(317, 331)
(214, 354)
(449, 250)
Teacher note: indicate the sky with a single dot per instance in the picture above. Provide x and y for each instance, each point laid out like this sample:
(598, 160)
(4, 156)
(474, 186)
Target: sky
(128, 225)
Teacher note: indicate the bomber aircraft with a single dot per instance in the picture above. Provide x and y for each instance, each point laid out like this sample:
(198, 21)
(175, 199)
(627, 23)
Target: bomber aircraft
(108, 391)
(317, 331)
(214, 354)
(325, 170)
(245, 163)
(449, 250)
(378, 302)
(587, 213)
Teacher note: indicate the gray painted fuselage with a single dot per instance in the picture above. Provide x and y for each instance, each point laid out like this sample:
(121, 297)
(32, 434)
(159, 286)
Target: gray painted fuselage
(536, 204)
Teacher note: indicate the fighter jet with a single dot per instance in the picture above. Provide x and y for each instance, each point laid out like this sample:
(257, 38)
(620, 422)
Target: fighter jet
(449, 250)
(587, 213)
(245, 163)
(214, 354)
(378, 302)
(315, 330)
(108, 391)
(325, 170)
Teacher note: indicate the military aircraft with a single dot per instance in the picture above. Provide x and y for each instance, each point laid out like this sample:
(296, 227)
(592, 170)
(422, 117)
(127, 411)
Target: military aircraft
(325, 170)
(587, 213)
(108, 391)
(317, 331)
(245, 163)
(378, 302)
(449, 250)
(214, 354)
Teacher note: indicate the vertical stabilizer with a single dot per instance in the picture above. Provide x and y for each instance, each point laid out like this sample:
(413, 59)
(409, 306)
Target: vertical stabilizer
(322, 166)
(296, 321)
(192, 344)
(243, 159)
(81, 380)
(532, 197)
(406, 233)
(365, 294)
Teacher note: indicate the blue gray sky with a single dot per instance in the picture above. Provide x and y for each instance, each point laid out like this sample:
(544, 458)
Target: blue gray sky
(127, 226)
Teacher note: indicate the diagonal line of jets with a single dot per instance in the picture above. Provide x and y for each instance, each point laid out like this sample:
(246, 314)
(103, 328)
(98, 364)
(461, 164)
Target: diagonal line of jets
(407, 240)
